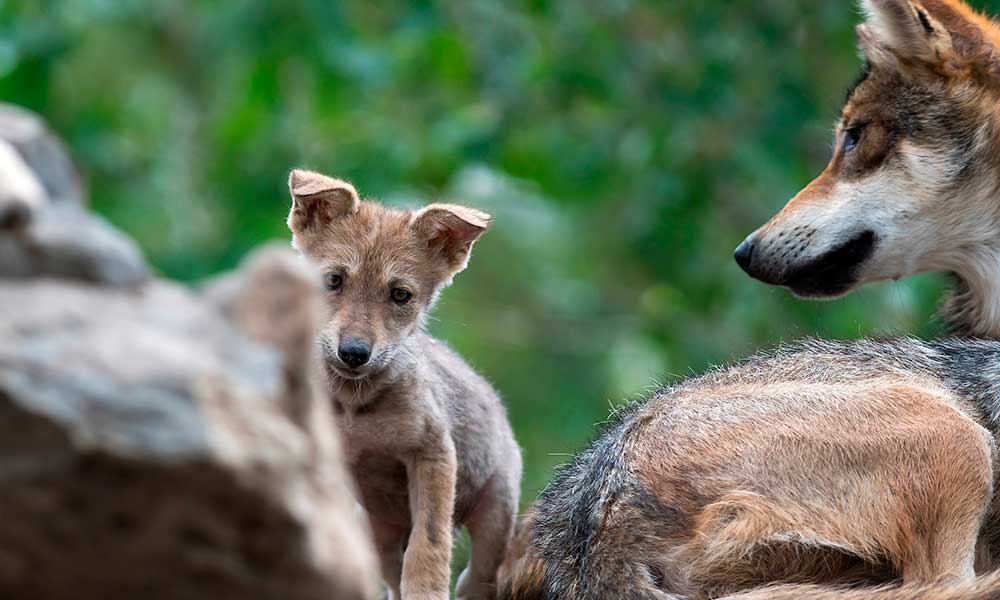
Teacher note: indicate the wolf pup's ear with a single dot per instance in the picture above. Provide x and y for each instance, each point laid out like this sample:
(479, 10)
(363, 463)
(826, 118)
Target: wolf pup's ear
(317, 200)
(450, 231)
(948, 35)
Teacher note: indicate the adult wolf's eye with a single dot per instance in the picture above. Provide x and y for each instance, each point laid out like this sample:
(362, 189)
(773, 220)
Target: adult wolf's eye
(400, 296)
(333, 281)
(852, 135)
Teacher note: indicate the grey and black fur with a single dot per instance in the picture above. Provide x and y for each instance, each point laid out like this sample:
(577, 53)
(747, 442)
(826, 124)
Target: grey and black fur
(603, 533)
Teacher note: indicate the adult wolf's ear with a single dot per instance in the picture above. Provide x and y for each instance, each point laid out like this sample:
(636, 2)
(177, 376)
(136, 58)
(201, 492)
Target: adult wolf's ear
(946, 34)
(902, 30)
(450, 230)
(317, 200)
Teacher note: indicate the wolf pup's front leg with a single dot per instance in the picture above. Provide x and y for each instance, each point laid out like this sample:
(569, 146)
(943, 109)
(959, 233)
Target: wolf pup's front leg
(427, 561)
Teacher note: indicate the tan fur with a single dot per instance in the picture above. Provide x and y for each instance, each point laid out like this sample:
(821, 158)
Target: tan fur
(918, 441)
(426, 437)
(749, 537)
(985, 588)
(834, 465)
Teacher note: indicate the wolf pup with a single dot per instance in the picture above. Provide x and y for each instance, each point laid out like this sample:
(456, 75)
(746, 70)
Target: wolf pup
(425, 436)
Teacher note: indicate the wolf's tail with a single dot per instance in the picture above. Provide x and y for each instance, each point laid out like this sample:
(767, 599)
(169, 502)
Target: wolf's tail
(983, 588)
(524, 574)
(986, 587)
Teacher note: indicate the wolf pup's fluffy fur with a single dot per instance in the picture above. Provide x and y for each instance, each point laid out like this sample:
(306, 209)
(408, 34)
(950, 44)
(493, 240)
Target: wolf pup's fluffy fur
(425, 436)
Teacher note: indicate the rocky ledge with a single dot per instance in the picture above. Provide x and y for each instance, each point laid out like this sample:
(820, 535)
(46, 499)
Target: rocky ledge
(157, 442)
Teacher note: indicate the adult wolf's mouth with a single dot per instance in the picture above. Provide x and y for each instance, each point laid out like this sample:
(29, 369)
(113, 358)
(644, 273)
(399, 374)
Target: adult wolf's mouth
(835, 272)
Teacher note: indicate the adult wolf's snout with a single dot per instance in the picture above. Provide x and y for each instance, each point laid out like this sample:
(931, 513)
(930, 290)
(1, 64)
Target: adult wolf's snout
(803, 261)
(748, 257)
(744, 254)
(354, 352)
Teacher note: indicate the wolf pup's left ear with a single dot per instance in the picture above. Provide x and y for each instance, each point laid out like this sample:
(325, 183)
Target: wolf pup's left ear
(450, 230)
(317, 200)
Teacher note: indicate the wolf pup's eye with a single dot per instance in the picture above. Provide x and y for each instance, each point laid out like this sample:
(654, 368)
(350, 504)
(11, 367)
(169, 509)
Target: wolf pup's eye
(400, 296)
(332, 281)
(852, 135)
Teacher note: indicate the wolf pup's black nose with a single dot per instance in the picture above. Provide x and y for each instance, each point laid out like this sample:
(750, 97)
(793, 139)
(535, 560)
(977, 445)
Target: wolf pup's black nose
(354, 352)
(744, 254)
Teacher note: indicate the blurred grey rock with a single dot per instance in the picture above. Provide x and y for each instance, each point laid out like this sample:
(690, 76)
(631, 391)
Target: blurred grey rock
(64, 241)
(43, 153)
(153, 446)
(44, 228)
(21, 193)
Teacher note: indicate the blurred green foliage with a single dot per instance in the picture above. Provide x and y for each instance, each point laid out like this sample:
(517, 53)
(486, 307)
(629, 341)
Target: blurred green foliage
(625, 147)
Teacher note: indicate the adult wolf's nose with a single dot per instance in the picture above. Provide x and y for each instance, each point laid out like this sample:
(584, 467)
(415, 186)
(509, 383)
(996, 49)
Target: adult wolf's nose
(354, 352)
(744, 254)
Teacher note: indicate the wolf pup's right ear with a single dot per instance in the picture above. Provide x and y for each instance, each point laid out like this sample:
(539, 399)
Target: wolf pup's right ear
(450, 230)
(317, 200)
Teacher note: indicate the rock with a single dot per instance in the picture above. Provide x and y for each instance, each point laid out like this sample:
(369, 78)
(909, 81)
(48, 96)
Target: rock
(43, 153)
(44, 228)
(21, 194)
(257, 300)
(65, 241)
(155, 446)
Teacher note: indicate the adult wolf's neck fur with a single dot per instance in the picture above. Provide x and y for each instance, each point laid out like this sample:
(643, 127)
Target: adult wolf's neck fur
(973, 306)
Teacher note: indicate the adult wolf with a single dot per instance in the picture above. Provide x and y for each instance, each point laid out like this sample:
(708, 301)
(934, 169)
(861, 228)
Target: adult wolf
(914, 181)
(866, 464)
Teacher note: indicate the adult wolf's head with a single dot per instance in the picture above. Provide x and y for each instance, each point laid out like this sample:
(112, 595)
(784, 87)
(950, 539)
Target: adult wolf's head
(913, 182)
(383, 267)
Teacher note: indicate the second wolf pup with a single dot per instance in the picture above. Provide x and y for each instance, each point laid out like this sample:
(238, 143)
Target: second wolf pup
(425, 436)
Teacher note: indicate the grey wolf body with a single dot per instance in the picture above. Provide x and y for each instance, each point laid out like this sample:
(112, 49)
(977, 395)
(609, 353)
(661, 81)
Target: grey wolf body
(425, 436)
(867, 464)
(860, 463)
(914, 181)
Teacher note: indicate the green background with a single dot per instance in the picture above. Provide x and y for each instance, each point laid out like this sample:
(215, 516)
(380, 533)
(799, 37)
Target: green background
(624, 148)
